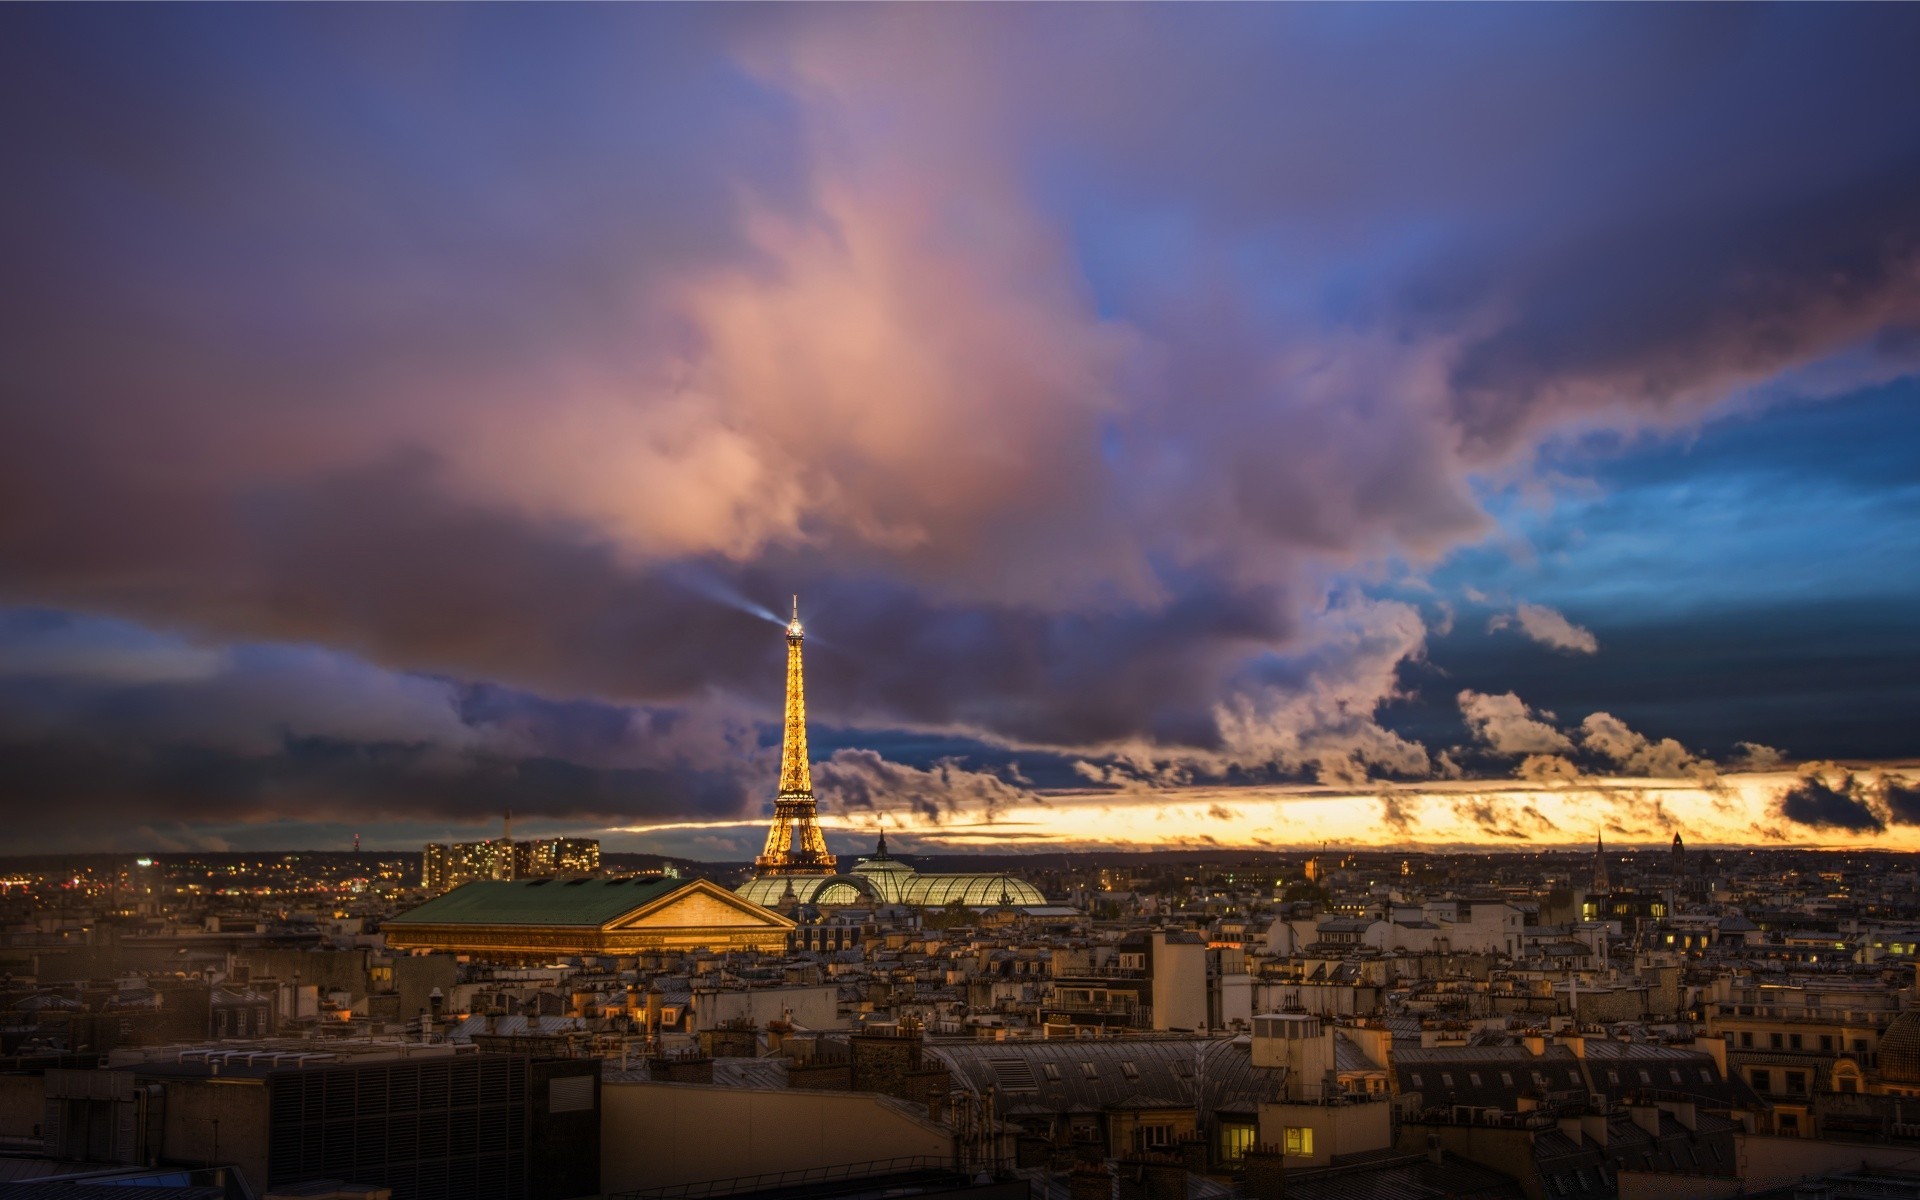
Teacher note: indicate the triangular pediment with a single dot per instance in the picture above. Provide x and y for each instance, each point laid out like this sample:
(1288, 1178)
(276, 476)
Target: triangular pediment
(699, 905)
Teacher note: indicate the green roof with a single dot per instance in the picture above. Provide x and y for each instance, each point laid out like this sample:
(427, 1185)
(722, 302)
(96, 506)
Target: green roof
(587, 902)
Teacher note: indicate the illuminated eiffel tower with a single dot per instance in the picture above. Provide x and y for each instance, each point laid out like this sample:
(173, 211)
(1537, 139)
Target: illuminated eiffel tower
(794, 844)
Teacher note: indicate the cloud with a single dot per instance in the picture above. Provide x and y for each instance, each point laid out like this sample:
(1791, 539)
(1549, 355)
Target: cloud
(1318, 708)
(1067, 405)
(1397, 812)
(1825, 798)
(1548, 627)
(1753, 756)
(1507, 726)
(1901, 798)
(851, 780)
(1607, 736)
(1549, 769)
(1499, 818)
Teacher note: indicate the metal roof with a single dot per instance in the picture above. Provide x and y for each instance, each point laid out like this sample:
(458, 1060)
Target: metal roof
(583, 902)
(1075, 1075)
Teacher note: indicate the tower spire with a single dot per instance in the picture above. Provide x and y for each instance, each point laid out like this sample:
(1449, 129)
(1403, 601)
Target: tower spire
(795, 845)
(1600, 882)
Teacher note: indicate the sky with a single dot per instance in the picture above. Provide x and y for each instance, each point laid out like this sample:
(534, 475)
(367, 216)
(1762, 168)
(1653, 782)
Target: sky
(1239, 425)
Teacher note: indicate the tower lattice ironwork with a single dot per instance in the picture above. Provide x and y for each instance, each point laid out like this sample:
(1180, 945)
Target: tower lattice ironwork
(795, 845)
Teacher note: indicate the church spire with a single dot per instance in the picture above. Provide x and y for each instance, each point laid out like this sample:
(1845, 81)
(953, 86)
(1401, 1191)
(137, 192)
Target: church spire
(1600, 883)
(795, 845)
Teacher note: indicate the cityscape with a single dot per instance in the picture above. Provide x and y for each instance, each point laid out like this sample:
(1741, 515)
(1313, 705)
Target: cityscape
(1007, 602)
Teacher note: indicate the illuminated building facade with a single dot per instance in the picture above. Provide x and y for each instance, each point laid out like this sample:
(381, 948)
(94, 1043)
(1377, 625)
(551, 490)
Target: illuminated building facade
(448, 866)
(556, 856)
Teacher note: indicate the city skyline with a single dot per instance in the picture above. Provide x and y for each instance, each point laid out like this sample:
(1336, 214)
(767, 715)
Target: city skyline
(1239, 427)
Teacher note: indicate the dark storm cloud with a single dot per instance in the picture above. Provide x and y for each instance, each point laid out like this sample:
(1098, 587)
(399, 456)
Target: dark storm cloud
(1396, 813)
(1902, 798)
(455, 342)
(1816, 802)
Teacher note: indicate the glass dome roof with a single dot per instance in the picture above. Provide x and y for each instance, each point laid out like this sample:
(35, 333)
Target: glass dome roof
(893, 883)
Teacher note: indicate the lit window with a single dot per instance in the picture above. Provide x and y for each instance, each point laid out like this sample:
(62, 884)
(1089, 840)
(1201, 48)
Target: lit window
(1299, 1141)
(1235, 1141)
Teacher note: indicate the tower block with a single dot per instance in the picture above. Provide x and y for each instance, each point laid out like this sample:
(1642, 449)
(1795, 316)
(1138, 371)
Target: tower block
(795, 845)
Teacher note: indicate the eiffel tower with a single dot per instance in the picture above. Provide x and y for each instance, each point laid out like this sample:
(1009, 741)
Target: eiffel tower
(794, 844)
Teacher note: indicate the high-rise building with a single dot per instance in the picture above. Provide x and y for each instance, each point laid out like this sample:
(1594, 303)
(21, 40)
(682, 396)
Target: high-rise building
(795, 845)
(445, 866)
(547, 857)
(434, 862)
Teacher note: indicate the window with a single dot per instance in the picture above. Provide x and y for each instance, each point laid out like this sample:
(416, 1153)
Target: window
(1746, 1040)
(1573, 1078)
(1645, 1078)
(1235, 1141)
(1762, 1081)
(1473, 1077)
(1674, 1074)
(1613, 1077)
(1506, 1078)
(1151, 1137)
(1129, 1070)
(1793, 1040)
(1299, 1141)
(1539, 1080)
(1773, 1040)
(1446, 1079)
(1796, 1082)
(1706, 1074)
(1826, 1043)
(1415, 1076)
(1051, 1071)
(1087, 1069)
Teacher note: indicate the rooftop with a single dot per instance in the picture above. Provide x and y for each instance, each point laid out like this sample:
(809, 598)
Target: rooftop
(583, 902)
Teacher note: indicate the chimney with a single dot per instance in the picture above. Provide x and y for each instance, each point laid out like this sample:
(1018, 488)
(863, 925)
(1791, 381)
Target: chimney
(1716, 1048)
(1536, 1044)
(1647, 1117)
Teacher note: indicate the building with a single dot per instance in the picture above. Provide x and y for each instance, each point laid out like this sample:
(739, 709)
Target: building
(429, 1122)
(443, 866)
(546, 858)
(448, 866)
(795, 867)
(548, 918)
